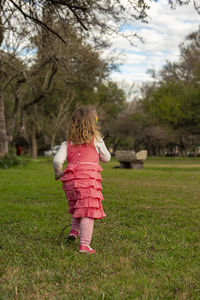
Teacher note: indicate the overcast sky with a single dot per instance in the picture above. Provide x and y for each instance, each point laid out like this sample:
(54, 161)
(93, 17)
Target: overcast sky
(162, 35)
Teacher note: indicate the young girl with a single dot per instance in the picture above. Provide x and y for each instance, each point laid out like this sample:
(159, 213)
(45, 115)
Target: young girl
(81, 178)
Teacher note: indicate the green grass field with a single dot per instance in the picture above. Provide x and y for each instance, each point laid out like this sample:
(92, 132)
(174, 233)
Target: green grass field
(148, 247)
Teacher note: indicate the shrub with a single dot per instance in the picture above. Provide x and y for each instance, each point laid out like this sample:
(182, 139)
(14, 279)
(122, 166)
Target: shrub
(11, 159)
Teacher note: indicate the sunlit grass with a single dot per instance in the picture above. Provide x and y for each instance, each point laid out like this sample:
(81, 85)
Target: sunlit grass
(148, 247)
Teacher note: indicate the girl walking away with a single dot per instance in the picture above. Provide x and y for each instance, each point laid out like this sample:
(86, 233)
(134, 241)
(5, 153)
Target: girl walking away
(81, 179)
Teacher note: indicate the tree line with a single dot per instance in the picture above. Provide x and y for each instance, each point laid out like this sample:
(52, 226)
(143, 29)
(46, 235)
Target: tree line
(165, 119)
(50, 63)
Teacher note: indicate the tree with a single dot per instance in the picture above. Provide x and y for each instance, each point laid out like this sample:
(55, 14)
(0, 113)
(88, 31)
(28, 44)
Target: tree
(84, 14)
(174, 100)
(187, 69)
(127, 127)
(177, 105)
(88, 17)
(111, 102)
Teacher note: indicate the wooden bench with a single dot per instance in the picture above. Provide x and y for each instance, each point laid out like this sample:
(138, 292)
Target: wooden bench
(131, 159)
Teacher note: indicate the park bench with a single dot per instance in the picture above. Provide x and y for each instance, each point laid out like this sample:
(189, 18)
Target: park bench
(131, 159)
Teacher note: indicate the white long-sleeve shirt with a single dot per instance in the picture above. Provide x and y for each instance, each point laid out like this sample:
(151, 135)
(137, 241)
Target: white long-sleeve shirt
(61, 155)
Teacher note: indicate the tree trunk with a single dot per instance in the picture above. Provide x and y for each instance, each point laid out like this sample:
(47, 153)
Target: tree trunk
(13, 121)
(53, 140)
(182, 148)
(3, 132)
(34, 146)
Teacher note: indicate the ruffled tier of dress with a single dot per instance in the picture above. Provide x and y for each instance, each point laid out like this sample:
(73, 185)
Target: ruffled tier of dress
(82, 185)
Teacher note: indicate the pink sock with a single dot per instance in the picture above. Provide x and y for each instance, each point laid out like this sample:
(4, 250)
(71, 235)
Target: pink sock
(86, 227)
(75, 224)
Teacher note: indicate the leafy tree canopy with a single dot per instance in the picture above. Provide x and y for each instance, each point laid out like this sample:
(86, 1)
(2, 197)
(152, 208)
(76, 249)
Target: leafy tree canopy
(174, 99)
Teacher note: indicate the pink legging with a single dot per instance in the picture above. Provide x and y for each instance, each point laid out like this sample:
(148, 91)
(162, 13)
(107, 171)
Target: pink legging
(85, 226)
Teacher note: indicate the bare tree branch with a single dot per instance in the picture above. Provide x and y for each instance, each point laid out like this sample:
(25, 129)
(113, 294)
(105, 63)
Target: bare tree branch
(46, 85)
(37, 21)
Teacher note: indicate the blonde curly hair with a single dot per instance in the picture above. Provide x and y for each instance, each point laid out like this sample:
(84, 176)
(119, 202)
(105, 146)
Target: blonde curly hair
(83, 128)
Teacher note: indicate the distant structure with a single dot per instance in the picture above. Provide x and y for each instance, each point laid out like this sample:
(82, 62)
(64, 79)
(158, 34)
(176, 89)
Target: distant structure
(131, 159)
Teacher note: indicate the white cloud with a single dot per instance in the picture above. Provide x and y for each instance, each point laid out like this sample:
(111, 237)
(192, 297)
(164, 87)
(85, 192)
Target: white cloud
(131, 58)
(162, 36)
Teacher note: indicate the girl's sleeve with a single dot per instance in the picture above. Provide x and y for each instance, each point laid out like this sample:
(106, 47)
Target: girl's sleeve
(59, 160)
(104, 154)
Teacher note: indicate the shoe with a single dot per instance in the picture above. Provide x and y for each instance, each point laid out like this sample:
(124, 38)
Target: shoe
(86, 249)
(72, 236)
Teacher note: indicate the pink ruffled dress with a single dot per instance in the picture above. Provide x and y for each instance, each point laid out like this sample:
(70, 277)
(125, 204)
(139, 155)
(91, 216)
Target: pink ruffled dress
(82, 181)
